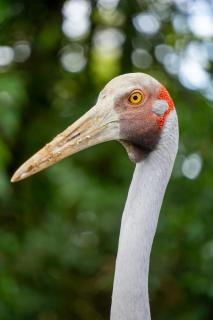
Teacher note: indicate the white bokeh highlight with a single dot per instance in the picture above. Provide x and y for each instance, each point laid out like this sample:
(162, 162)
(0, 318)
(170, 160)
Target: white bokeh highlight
(73, 58)
(108, 40)
(199, 16)
(146, 23)
(6, 55)
(108, 4)
(201, 19)
(22, 51)
(76, 23)
(192, 75)
(180, 23)
(161, 51)
(141, 58)
(191, 166)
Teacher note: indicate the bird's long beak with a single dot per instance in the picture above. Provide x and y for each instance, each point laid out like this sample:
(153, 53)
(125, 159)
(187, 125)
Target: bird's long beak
(99, 124)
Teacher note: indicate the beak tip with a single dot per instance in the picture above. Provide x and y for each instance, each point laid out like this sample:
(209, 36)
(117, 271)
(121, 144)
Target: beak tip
(12, 179)
(15, 178)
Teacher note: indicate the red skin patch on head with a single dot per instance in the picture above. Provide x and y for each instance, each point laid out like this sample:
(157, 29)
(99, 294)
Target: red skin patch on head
(164, 95)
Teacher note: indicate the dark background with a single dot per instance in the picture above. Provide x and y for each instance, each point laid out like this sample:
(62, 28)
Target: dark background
(59, 229)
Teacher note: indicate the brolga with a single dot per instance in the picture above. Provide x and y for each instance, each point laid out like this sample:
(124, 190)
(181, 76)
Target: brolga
(136, 110)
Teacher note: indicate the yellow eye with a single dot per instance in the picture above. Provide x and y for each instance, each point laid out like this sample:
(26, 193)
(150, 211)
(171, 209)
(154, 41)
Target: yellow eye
(136, 97)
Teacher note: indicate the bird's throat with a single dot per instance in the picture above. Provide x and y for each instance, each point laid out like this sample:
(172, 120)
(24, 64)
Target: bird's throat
(135, 153)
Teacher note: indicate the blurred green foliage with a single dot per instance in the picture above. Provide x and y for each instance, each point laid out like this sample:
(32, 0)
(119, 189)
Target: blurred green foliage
(59, 229)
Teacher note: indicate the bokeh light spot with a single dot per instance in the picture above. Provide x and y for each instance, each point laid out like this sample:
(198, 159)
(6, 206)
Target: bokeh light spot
(141, 59)
(22, 51)
(201, 19)
(76, 22)
(108, 40)
(146, 23)
(108, 4)
(192, 75)
(161, 50)
(6, 55)
(180, 24)
(192, 166)
(73, 58)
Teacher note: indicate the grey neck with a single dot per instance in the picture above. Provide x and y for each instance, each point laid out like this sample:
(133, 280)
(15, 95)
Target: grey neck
(130, 300)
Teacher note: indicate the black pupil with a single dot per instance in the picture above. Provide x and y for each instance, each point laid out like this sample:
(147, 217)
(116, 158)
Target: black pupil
(135, 97)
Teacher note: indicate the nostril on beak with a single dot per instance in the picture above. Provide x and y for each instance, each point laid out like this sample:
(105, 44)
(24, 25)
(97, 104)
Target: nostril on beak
(73, 137)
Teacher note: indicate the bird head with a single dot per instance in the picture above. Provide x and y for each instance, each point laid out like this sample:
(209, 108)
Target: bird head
(132, 108)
